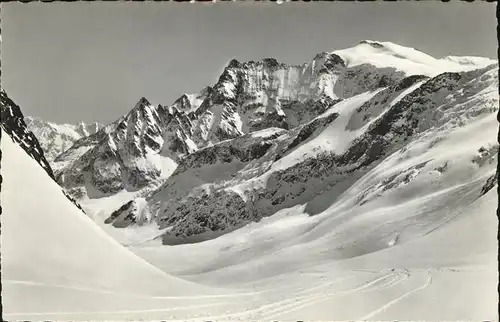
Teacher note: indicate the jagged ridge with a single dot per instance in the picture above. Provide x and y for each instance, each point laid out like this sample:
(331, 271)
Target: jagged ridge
(12, 121)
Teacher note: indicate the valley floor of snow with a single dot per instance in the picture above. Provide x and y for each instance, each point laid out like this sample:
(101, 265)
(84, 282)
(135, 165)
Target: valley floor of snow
(449, 274)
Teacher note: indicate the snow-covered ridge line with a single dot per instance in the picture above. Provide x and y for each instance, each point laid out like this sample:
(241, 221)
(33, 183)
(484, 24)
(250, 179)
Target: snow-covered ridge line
(78, 127)
(409, 60)
(382, 52)
(13, 123)
(48, 246)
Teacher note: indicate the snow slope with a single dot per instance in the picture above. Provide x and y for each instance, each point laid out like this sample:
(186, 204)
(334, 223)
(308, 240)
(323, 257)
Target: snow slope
(55, 259)
(13, 123)
(398, 256)
(106, 282)
(77, 272)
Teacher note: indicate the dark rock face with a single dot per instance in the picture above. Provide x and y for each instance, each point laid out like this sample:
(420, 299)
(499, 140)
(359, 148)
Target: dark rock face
(119, 211)
(227, 211)
(373, 108)
(490, 184)
(306, 131)
(333, 61)
(12, 121)
(243, 149)
(374, 44)
(408, 81)
(299, 113)
(362, 78)
(234, 64)
(13, 124)
(271, 63)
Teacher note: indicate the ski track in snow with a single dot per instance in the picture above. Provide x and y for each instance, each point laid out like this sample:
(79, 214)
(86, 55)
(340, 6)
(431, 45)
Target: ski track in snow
(173, 308)
(409, 293)
(101, 291)
(320, 297)
(308, 297)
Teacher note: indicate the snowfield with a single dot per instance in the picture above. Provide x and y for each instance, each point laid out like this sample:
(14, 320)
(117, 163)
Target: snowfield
(288, 266)
(409, 60)
(428, 244)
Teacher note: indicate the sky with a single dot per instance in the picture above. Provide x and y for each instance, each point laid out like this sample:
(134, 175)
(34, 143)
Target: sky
(92, 61)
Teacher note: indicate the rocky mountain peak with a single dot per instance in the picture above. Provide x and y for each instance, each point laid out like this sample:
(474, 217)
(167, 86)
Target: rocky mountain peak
(271, 63)
(206, 90)
(233, 64)
(143, 102)
(374, 44)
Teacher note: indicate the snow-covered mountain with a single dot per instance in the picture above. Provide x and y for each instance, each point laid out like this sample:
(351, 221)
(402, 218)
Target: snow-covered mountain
(51, 250)
(125, 155)
(408, 60)
(374, 113)
(57, 138)
(142, 149)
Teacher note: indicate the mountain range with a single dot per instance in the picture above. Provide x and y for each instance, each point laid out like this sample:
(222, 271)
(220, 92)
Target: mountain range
(57, 138)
